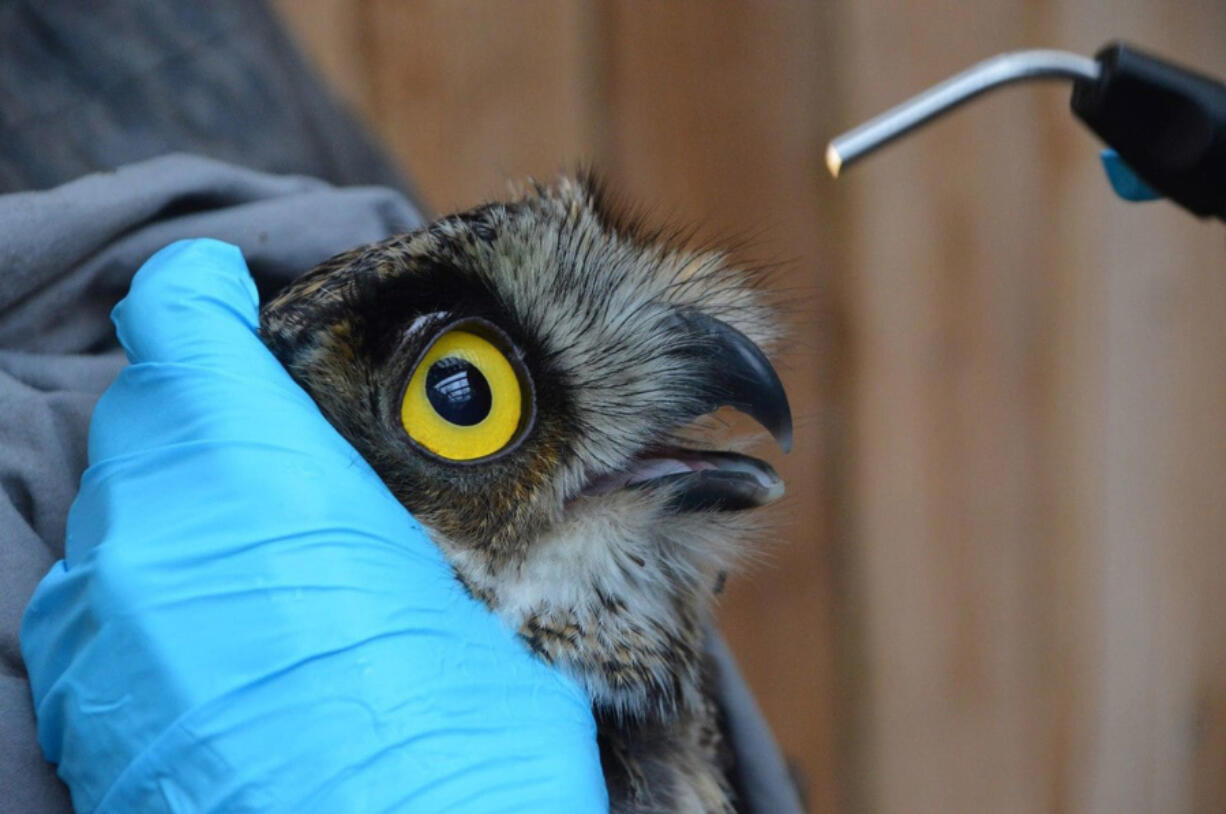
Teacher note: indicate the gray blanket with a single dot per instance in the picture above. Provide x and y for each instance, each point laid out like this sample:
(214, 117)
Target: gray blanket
(66, 256)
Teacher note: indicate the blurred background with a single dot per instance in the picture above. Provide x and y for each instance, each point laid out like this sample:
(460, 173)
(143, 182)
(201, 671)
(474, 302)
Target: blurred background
(999, 584)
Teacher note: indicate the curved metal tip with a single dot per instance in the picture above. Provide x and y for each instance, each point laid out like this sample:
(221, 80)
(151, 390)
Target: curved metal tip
(1002, 69)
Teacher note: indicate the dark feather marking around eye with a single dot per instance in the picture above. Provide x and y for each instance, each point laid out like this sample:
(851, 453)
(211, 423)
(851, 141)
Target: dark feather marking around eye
(389, 287)
(388, 303)
(372, 396)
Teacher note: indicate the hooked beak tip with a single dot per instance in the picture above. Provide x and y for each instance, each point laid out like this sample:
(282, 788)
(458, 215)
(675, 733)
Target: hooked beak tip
(742, 377)
(784, 437)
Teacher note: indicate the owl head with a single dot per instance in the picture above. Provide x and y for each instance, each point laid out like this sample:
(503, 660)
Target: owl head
(524, 377)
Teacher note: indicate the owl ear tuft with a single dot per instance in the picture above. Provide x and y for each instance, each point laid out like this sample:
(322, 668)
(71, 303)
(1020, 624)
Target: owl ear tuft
(614, 211)
(586, 193)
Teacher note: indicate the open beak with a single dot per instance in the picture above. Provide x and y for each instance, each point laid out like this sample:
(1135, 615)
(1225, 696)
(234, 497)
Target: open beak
(737, 374)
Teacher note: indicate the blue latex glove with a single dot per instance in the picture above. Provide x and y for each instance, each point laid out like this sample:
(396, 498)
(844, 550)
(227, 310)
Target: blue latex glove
(245, 619)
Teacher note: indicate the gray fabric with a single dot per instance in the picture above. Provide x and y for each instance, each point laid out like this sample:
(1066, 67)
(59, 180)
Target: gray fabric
(66, 257)
(761, 776)
(92, 86)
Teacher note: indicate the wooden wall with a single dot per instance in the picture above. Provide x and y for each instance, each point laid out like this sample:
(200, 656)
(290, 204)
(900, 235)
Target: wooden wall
(1001, 581)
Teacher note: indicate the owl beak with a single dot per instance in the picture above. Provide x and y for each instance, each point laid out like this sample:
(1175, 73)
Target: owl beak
(740, 376)
(734, 372)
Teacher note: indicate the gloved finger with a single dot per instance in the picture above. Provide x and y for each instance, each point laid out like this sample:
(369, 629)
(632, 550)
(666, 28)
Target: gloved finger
(192, 302)
(200, 372)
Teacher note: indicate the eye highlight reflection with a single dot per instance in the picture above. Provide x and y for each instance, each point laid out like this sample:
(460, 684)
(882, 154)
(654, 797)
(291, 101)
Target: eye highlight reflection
(458, 391)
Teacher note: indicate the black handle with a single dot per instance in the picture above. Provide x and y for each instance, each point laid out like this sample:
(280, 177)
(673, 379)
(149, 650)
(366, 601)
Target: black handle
(1168, 123)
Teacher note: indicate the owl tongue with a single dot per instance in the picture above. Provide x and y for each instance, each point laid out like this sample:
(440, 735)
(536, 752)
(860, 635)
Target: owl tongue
(646, 469)
(699, 481)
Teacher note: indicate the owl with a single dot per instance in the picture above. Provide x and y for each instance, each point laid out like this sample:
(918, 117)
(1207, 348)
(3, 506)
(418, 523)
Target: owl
(530, 379)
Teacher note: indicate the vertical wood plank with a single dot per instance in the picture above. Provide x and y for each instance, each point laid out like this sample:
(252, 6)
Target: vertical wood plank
(1020, 418)
(471, 95)
(333, 34)
(715, 113)
(945, 454)
(1154, 740)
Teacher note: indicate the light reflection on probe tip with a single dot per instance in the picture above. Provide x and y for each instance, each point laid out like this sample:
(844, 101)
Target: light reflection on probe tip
(834, 161)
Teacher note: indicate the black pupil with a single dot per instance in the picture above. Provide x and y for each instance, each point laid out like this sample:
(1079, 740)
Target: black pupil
(458, 392)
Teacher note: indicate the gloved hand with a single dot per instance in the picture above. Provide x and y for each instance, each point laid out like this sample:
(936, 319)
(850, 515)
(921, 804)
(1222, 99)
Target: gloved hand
(245, 619)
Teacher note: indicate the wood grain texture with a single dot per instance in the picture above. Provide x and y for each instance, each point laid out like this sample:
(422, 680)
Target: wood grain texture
(471, 95)
(1017, 430)
(713, 111)
(999, 585)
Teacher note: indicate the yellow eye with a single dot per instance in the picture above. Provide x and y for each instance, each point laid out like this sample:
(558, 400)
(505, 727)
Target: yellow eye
(464, 400)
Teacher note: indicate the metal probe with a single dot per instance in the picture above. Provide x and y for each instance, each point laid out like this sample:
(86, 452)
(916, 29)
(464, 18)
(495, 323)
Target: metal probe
(1000, 70)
